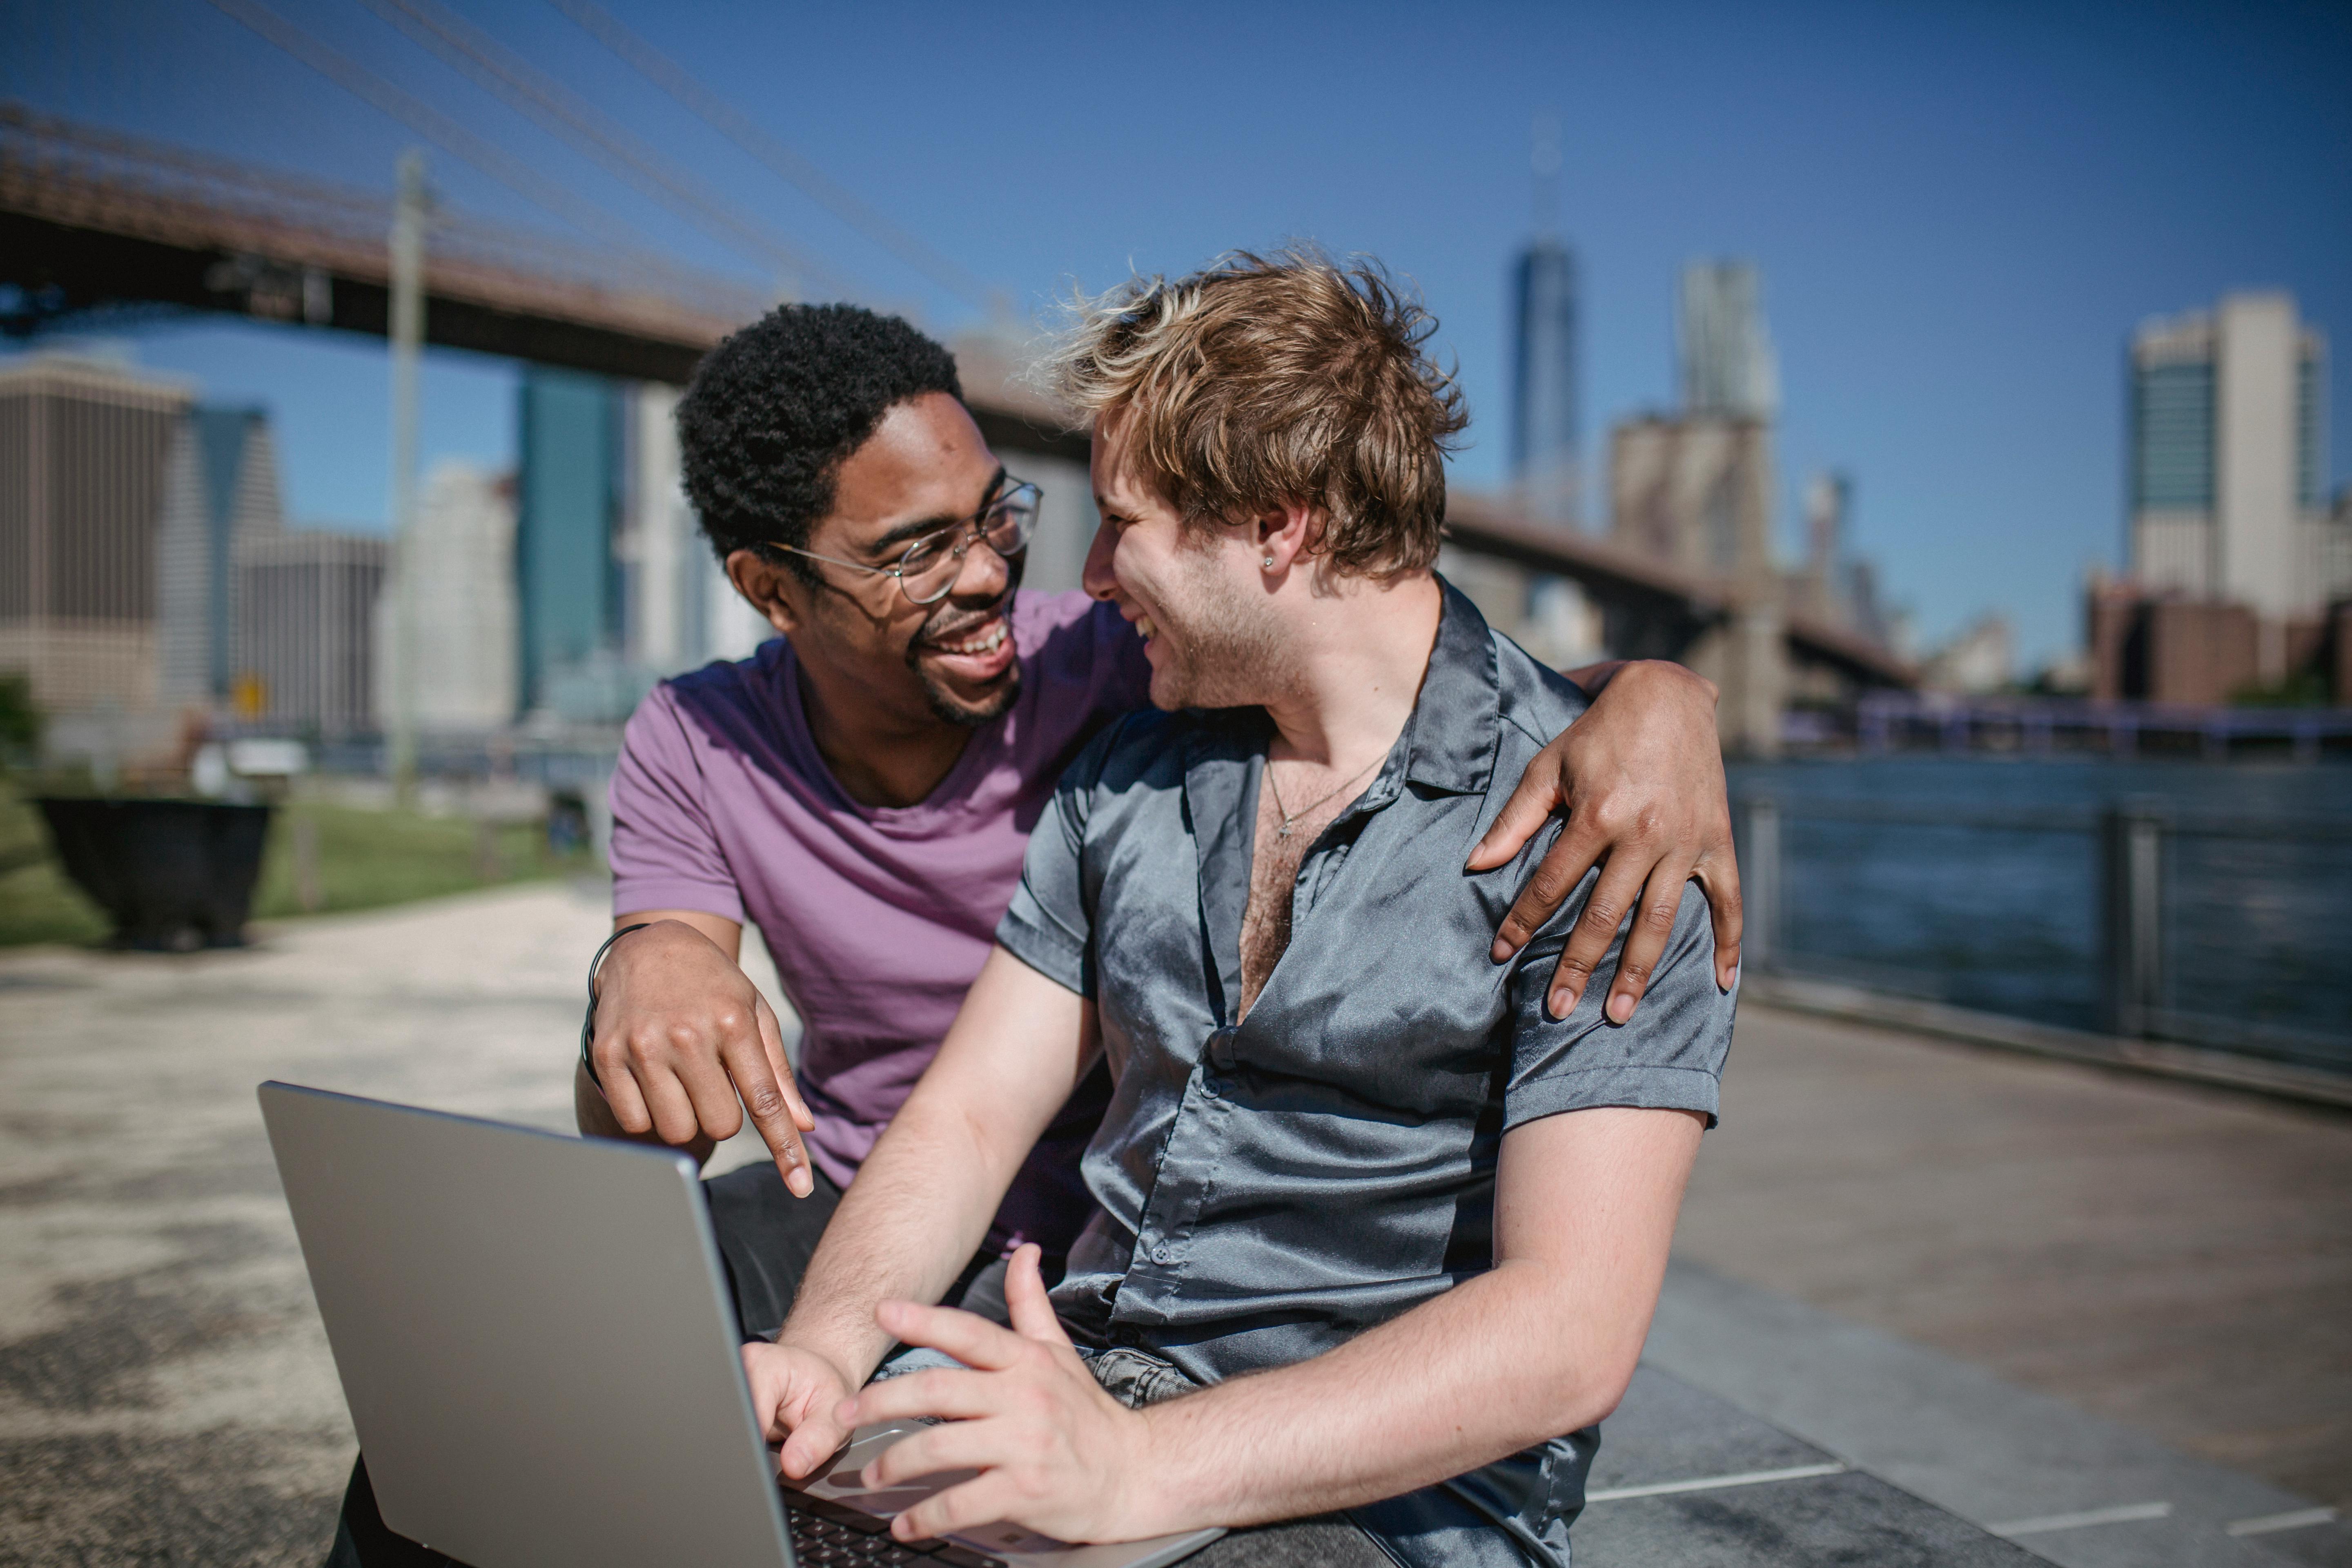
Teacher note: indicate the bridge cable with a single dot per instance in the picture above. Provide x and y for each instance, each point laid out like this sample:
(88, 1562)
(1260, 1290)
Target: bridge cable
(432, 124)
(106, 170)
(739, 128)
(499, 70)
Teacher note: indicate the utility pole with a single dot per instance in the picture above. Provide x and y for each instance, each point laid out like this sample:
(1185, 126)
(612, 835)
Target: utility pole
(407, 342)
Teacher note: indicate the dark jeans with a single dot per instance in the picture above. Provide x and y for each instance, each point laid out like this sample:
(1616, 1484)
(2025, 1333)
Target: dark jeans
(766, 1237)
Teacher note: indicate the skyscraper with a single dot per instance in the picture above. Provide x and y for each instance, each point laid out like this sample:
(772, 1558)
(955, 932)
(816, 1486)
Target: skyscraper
(464, 555)
(1546, 460)
(306, 605)
(661, 549)
(2228, 462)
(1544, 456)
(568, 513)
(82, 446)
(1727, 367)
(1834, 586)
(680, 611)
(220, 490)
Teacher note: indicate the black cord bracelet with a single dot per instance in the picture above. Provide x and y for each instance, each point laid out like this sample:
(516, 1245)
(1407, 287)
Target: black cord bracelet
(588, 1025)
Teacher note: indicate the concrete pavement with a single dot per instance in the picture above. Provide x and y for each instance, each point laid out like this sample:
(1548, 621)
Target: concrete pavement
(165, 1391)
(2176, 1259)
(166, 1394)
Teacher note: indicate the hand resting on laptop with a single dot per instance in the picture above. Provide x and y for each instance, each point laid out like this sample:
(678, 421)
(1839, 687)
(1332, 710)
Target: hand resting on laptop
(1053, 1449)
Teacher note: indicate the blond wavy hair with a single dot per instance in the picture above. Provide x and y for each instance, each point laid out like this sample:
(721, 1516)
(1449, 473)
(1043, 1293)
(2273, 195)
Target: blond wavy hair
(1262, 382)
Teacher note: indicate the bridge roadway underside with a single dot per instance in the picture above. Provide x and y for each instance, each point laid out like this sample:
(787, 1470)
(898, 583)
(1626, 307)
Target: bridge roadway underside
(73, 270)
(2165, 1254)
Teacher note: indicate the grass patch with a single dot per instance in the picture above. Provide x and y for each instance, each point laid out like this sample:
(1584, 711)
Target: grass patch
(36, 902)
(367, 859)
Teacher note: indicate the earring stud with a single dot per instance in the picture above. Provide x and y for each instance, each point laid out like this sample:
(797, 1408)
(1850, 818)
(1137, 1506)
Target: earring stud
(1269, 562)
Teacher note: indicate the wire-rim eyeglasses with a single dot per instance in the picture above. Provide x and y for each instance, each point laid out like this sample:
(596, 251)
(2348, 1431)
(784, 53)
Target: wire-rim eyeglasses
(1005, 524)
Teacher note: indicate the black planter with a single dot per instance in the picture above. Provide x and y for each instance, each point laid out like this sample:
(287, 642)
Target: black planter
(175, 875)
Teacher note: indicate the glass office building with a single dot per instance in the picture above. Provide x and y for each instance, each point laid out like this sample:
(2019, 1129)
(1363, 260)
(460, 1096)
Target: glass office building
(1544, 415)
(569, 492)
(2228, 464)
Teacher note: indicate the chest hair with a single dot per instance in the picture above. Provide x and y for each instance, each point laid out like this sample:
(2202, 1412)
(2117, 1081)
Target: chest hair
(1275, 859)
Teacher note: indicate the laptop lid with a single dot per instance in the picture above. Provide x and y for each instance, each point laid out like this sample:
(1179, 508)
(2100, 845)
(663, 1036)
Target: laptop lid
(502, 1305)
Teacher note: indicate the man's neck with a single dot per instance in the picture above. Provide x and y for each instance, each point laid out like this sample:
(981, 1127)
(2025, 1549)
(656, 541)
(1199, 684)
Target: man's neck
(1359, 656)
(880, 758)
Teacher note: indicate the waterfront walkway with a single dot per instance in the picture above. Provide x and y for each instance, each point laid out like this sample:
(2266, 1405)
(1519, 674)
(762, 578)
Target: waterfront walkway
(1931, 1306)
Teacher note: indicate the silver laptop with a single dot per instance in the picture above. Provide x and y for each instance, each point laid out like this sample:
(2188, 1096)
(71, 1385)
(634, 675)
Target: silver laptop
(534, 1336)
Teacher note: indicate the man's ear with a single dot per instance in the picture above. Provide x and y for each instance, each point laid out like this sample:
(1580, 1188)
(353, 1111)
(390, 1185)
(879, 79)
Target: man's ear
(763, 582)
(1285, 533)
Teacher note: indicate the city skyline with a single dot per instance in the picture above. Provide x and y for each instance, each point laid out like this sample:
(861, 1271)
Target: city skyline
(1961, 220)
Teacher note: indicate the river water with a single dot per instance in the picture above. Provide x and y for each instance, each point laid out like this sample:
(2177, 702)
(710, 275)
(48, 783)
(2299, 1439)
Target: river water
(2006, 917)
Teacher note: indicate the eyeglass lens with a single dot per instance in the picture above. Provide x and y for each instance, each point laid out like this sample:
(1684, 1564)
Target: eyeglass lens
(930, 566)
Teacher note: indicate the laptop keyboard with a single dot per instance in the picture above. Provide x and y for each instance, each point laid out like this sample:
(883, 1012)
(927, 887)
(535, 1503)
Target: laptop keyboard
(819, 1542)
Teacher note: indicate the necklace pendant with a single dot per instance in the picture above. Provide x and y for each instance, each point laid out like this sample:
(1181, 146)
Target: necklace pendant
(1283, 831)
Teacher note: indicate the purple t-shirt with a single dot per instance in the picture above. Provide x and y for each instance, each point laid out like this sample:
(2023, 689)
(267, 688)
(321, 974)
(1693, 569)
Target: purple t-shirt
(879, 918)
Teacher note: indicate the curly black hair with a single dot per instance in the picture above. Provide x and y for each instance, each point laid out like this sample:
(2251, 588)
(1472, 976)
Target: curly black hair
(774, 411)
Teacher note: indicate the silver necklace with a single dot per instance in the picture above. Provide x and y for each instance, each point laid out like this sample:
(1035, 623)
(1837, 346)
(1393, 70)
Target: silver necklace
(1289, 816)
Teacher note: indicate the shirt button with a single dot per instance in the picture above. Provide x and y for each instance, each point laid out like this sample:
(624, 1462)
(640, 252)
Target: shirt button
(1163, 1254)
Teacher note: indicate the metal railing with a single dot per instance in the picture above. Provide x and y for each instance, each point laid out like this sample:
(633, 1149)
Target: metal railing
(2134, 920)
(1888, 721)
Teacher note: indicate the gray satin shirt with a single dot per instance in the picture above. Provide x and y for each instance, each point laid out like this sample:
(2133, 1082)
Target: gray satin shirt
(1272, 1188)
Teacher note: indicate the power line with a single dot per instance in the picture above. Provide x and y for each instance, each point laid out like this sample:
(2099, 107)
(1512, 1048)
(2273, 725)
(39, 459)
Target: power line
(430, 123)
(739, 128)
(501, 71)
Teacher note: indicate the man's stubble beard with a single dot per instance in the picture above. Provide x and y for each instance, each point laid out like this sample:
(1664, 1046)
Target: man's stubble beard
(944, 705)
(1234, 656)
(950, 709)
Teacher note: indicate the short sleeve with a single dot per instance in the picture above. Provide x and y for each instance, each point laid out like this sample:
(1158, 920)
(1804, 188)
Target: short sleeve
(1049, 925)
(1669, 1055)
(665, 852)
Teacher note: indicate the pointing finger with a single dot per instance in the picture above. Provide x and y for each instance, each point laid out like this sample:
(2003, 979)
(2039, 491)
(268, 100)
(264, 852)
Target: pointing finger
(764, 1096)
(771, 1038)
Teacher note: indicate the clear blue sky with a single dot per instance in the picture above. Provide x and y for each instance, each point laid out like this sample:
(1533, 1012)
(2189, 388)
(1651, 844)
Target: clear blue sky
(1960, 211)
